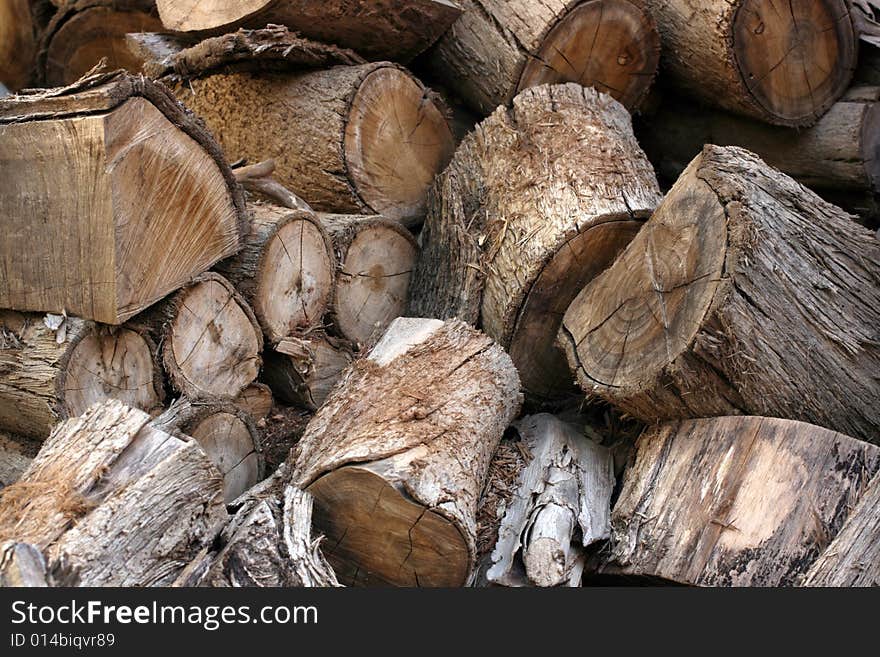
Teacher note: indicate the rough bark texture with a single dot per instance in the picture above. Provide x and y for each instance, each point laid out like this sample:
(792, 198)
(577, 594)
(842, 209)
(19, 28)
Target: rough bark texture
(21, 24)
(782, 63)
(22, 565)
(354, 139)
(537, 200)
(16, 454)
(115, 501)
(498, 48)
(840, 152)
(286, 270)
(397, 456)
(737, 501)
(378, 29)
(52, 368)
(562, 504)
(116, 170)
(744, 293)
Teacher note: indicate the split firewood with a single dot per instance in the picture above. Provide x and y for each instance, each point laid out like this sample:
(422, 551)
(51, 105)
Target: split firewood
(226, 434)
(562, 505)
(285, 270)
(22, 565)
(397, 456)
(837, 153)
(537, 200)
(497, 49)
(83, 32)
(21, 25)
(302, 370)
(211, 341)
(379, 29)
(16, 454)
(744, 293)
(375, 259)
(54, 367)
(115, 500)
(738, 501)
(784, 65)
(256, 400)
(362, 139)
(117, 172)
(268, 542)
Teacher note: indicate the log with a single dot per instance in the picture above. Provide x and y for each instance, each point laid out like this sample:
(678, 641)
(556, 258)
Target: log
(16, 454)
(116, 501)
(211, 341)
(302, 370)
(745, 293)
(375, 259)
(398, 454)
(562, 505)
(498, 48)
(784, 65)
(379, 29)
(256, 400)
(53, 368)
(536, 202)
(83, 32)
(21, 24)
(837, 153)
(353, 139)
(285, 270)
(226, 434)
(22, 565)
(736, 501)
(115, 170)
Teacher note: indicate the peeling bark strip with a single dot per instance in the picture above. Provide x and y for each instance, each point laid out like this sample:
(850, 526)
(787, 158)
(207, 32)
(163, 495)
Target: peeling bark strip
(116, 501)
(537, 200)
(53, 368)
(840, 152)
(354, 139)
(379, 29)
(739, 501)
(21, 24)
(398, 454)
(500, 47)
(562, 504)
(211, 341)
(744, 293)
(117, 171)
(781, 62)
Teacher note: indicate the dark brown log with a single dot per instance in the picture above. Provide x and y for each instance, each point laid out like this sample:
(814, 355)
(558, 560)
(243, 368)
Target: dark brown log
(302, 370)
(537, 200)
(500, 47)
(398, 454)
(738, 501)
(21, 24)
(744, 293)
(116, 171)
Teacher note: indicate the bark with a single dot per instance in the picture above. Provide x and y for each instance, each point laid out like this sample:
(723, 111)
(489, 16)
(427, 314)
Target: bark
(398, 454)
(353, 139)
(737, 501)
(22, 565)
(53, 368)
(744, 293)
(21, 24)
(116, 170)
(497, 49)
(536, 202)
(285, 270)
(115, 501)
(378, 29)
(783, 65)
(16, 454)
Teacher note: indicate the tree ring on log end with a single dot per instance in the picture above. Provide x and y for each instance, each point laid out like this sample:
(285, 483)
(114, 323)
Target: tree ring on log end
(638, 316)
(199, 15)
(229, 444)
(396, 141)
(611, 45)
(797, 59)
(533, 348)
(376, 534)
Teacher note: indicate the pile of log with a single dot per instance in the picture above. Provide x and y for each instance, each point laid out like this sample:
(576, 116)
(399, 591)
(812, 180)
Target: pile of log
(439, 293)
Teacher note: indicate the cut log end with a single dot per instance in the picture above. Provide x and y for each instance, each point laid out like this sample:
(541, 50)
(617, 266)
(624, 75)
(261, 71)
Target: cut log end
(611, 45)
(229, 443)
(396, 140)
(376, 534)
(202, 15)
(795, 63)
(18, 43)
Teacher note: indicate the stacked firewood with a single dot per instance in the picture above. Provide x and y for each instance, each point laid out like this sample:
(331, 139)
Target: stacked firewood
(524, 350)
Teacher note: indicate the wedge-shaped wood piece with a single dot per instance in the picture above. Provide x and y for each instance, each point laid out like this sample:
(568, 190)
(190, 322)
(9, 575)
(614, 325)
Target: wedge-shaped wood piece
(739, 501)
(113, 196)
(114, 501)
